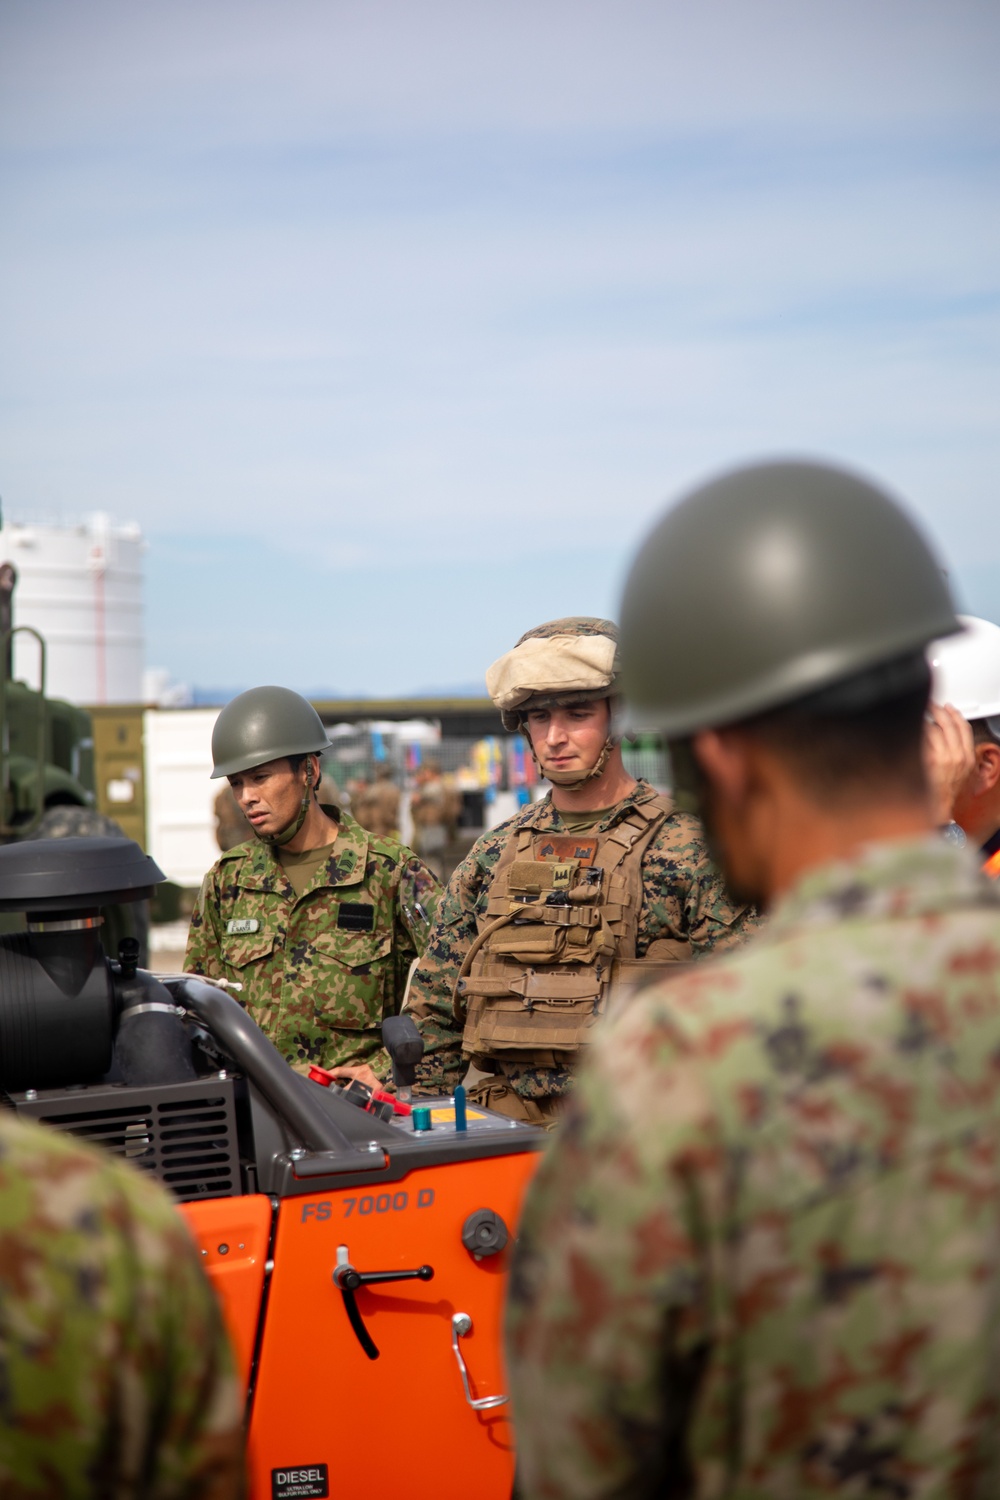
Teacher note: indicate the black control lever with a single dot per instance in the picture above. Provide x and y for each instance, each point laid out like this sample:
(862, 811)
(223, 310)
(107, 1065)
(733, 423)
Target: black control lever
(348, 1279)
(405, 1046)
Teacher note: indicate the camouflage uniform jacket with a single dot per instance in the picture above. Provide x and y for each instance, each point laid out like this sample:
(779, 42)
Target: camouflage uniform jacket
(760, 1260)
(116, 1377)
(319, 971)
(684, 901)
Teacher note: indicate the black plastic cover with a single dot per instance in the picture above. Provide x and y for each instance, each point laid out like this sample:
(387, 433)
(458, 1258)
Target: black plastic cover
(74, 874)
(484, 1233)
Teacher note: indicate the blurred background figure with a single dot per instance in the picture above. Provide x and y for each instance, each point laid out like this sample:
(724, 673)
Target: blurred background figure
(435, 806)
(375, 805)
(962, 744)
(231, 827)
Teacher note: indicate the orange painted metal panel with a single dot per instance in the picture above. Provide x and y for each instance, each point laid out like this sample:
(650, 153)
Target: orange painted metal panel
(233, 1235)
(401, 1422)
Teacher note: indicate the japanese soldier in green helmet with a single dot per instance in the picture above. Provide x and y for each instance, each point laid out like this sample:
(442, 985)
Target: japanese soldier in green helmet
(315, 918)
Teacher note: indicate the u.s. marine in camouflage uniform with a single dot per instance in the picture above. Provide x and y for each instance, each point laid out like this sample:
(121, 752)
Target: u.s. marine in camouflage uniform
(760, 1259)
(116, 1377)
(564, 905)
(318, 920)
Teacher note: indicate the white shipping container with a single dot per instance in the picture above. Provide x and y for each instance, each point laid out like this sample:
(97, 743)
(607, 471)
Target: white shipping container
(180, 797)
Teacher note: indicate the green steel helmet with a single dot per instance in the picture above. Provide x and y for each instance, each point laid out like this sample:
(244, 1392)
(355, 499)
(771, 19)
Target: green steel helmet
(265, 723)
(572, 660)
(768, 584)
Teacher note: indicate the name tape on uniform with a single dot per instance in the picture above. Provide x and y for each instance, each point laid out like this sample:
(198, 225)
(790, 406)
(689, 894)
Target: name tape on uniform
(238, 925)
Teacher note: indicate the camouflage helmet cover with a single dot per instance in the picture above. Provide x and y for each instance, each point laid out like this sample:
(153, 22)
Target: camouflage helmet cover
(262, 724)
(565, 661)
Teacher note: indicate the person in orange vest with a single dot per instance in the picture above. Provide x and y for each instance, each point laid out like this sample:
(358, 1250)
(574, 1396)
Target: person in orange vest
(966, 671)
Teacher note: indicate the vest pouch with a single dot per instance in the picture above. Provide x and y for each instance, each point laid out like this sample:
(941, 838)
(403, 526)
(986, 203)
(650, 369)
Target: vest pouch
(567, 934)
(629, 976)
(533, 943)
(537, 877)
(662, 960)
(526, 1010)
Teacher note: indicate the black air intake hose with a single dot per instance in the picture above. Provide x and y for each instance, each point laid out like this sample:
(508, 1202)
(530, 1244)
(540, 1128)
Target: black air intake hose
(152, 1045)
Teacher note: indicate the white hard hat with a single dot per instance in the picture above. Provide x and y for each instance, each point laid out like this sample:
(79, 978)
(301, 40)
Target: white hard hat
(966, 670)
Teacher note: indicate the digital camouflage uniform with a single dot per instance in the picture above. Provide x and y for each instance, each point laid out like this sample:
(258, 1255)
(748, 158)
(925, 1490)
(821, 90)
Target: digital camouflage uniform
(684, 903)
(761, 1258)
(116, 1378)
(319, 971)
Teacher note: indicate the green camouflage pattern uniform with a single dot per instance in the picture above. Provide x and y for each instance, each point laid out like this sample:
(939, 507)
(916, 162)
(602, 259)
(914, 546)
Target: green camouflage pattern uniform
(116, 1376)
(761, 1259)
(319, 971)
(685, 901)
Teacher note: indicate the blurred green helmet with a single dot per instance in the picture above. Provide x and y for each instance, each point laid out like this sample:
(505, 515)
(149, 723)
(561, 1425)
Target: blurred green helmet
(266, 723)
(766, 585)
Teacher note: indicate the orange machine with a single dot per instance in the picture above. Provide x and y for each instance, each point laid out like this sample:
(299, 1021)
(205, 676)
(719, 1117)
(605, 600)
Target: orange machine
(397, 1381)
(360, 1254)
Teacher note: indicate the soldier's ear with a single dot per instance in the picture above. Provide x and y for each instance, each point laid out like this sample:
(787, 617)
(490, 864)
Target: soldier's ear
(987, 767)
(723, 760)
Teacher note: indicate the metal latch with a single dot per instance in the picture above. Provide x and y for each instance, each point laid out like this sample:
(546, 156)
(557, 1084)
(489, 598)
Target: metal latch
(461, 1324)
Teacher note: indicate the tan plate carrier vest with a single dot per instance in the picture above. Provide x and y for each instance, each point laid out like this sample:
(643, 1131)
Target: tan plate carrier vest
(558, 934)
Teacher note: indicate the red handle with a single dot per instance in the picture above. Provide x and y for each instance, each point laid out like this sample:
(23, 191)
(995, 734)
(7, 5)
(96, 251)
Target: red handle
(325, 1077)
(398, 1107)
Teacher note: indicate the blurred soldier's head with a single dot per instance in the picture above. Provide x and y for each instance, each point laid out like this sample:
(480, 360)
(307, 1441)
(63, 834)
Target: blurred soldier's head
(556, 687)
(266, 742)
(966, 674)
(773, 629)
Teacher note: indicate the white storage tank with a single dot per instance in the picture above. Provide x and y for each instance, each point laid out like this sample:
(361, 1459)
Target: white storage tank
(80, 587)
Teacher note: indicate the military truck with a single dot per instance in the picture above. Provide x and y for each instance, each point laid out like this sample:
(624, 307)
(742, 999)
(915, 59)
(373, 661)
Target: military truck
(47, 766)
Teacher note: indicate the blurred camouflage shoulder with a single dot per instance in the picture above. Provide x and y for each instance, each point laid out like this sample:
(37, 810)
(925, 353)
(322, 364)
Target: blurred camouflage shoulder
(101, 1288)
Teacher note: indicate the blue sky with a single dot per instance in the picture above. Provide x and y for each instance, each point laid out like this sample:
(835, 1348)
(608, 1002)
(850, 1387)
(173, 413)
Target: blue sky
(395, 325)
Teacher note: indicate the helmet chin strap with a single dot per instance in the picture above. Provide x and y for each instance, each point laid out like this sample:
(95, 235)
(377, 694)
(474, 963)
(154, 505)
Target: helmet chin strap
(575, 778)
(279, 840)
